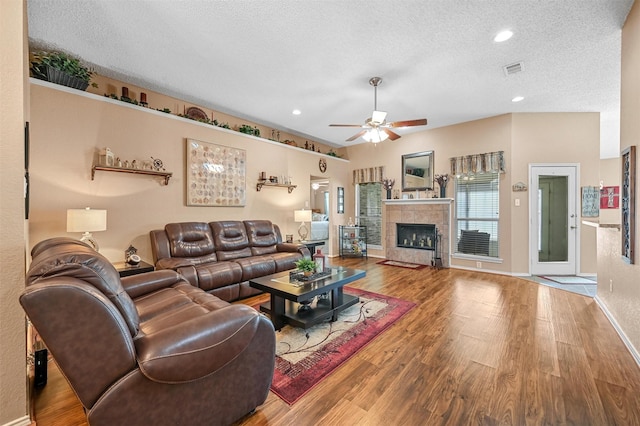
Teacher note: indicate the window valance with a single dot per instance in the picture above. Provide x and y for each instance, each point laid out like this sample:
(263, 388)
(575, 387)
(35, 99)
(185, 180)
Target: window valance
(490, 162)
(371, 174)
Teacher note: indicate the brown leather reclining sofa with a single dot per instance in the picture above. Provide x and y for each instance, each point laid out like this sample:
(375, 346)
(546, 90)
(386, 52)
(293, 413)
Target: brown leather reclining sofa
(221, 257)
(149, 349)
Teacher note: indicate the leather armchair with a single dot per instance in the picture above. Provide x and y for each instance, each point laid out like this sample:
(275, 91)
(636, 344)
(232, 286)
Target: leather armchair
(146, 349)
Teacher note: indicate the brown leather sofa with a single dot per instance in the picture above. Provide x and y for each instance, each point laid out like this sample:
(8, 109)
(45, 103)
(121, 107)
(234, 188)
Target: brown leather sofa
(150, 349)
(221, 257)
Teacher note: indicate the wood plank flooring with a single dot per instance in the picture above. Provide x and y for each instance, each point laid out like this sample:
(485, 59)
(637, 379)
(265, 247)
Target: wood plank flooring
(477, 349)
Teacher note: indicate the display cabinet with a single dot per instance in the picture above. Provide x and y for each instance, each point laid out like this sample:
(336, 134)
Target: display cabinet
(353, 240)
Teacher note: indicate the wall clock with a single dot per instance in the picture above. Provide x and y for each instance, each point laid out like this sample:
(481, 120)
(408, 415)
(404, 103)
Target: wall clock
(322, 165)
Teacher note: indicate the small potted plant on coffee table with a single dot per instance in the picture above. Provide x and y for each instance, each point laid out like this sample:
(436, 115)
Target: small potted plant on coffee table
(307, 266)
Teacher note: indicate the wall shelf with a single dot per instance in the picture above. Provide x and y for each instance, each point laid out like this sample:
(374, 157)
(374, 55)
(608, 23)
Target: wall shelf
(262, 183)
(164, 175)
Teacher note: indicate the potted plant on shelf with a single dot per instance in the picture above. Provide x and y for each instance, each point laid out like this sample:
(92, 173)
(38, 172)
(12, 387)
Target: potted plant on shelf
(60, 68)
(307, 266)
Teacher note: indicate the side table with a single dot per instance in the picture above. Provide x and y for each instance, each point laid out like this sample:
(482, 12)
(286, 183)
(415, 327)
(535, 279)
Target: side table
(125, 270)
(311, 245)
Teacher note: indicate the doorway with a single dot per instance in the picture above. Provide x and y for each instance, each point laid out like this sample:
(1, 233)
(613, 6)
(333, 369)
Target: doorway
(320, 206)
(553, 234)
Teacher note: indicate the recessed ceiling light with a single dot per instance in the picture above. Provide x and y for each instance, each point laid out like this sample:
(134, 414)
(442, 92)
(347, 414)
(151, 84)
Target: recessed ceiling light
(517, 99)
(503, 36)
(296, 112)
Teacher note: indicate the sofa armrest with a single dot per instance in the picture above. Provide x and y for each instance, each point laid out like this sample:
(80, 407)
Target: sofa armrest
(193, 349)
(173, 263)
(293, 248)
(148, 282)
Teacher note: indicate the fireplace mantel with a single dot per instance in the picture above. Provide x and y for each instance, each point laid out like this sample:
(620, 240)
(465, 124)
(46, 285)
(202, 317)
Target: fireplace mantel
(419, 201)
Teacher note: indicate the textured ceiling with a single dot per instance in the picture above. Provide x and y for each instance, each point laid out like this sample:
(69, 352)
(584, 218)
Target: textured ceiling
(259, 60)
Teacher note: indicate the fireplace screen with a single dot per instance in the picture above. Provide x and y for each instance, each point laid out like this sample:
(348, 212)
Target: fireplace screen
(417, 236)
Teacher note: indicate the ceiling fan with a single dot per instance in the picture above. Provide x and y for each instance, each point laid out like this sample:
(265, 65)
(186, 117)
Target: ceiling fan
(376, 129)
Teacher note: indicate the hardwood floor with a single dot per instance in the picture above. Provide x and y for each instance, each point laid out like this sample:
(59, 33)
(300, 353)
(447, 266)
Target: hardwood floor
(477, 349)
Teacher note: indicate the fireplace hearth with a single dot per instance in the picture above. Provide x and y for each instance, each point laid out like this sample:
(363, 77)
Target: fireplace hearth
(419, 236)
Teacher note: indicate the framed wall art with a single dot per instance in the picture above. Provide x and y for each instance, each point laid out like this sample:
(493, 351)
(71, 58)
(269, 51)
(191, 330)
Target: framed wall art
(610, 197)
(590, 201)
(216, 175)
(340, 200)
(628, 204)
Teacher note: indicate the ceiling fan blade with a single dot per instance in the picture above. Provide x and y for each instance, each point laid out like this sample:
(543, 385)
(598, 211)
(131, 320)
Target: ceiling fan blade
(356, 136)
(346, 125)
(408, 123)
(392, 135)
(378, 117)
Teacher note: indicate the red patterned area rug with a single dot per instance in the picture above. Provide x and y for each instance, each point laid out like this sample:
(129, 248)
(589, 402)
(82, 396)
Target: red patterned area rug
(401, 264)
(305, 357)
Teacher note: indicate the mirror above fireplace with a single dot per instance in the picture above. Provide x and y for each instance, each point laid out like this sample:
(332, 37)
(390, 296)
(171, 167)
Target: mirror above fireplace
(417, 171)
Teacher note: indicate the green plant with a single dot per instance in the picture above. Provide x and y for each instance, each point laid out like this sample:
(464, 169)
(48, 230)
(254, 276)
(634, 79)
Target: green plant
(305, 264)
(61, 61)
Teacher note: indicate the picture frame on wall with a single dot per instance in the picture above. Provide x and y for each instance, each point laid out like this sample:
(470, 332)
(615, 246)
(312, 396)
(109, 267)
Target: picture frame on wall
(340, 200)
(590, 201)
(216, 175)
(628, 204)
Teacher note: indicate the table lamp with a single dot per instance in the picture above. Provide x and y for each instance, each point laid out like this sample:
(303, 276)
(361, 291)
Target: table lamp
(302, 216)
(86, 221)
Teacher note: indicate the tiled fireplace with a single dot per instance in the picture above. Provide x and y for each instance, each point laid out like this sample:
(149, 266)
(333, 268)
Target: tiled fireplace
(403, 215)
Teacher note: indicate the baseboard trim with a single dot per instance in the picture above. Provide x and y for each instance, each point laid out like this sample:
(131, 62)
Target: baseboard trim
(22, 421)
(616, 326)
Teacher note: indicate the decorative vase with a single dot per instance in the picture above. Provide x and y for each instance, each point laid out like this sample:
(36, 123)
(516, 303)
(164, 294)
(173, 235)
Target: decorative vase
(54, 75)
(388, 194)
(443, 192)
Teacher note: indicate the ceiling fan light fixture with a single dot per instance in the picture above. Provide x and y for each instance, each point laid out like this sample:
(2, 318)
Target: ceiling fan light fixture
(378, 117)
(375, 136)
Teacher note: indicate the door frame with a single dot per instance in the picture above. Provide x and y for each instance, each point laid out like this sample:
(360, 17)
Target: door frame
(554, 268)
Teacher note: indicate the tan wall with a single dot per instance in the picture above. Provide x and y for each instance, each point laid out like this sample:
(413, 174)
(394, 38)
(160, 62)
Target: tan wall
(13, 114)
(491, 134)
(68, 129)
(618, 282)
(525, 139)
(553, 138)
(610, 176)
(107, 86)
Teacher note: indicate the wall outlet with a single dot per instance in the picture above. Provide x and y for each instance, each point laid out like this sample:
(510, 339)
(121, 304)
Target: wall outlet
(610, 285)
(479, 265)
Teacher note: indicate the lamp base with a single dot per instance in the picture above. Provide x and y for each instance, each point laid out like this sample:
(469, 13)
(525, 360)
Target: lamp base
(303, 232)
(88, 239)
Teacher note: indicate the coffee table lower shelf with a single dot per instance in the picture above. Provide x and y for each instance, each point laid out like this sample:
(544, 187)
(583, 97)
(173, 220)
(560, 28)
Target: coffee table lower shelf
(319, 313)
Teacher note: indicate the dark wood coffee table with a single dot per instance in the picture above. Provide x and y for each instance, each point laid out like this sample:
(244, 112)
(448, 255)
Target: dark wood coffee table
(293, 302)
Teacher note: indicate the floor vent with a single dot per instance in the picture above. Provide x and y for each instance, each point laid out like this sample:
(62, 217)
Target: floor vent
(513, 68)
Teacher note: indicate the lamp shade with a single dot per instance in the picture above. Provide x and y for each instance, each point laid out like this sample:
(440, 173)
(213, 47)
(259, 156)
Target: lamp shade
(86, 220)
(302, 215)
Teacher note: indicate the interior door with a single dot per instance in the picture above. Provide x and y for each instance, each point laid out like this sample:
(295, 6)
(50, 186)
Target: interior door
(553, 234)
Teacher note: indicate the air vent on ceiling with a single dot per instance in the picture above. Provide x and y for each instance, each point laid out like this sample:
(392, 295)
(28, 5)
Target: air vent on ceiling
(513, 68)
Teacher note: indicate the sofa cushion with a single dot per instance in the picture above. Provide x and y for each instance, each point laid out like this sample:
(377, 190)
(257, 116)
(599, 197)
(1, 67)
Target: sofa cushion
(68, 257)
(218, 274)
(256, 266)
(262, 236)
(285, 260)
(230, 238)
(191, 239)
